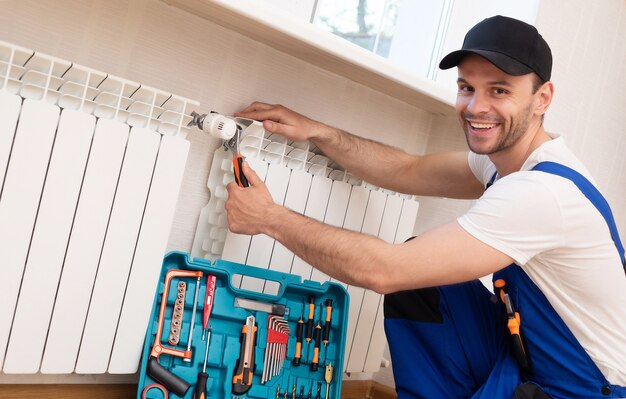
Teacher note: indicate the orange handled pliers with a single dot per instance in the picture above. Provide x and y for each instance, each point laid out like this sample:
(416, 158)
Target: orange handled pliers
(233, 146)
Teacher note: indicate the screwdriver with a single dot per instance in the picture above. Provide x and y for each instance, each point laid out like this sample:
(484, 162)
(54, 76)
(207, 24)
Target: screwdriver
(316, 346)
(203, 377)
(326, 331)
(514, 328)
(208, 302)
(309, 324)
(328, 377)
(513, 323)
(299, 328)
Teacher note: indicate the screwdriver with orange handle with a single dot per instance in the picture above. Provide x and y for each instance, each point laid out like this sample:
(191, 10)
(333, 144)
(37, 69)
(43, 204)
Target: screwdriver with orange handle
(513, 323)
(310, 321)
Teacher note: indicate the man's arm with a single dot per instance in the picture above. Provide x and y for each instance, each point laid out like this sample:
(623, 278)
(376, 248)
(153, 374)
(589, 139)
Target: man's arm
(444, 174)
(441, 256)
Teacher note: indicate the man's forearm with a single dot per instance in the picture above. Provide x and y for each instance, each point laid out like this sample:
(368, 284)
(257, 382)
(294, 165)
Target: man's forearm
(367, 159)
(329, 249)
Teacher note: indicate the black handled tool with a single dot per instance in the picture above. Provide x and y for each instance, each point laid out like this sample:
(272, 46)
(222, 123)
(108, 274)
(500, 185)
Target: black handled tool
(310, 325)
(171, 381)
(316, 347)
(299, 331)
(203, 377)
(326, 330)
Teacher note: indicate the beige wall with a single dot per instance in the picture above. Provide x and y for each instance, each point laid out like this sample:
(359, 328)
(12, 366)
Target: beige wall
(588, 40)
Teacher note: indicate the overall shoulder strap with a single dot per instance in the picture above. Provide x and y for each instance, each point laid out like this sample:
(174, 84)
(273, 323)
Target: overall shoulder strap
(591, 192)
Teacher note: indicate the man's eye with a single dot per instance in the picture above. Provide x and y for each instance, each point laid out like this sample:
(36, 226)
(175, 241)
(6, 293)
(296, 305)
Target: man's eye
(498, 90)
(465, 89)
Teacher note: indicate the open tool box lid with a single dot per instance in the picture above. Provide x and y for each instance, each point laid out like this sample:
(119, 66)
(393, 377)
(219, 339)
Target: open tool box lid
(226, 323)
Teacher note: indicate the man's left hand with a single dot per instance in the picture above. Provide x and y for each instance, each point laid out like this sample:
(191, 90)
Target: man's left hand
(249, 208)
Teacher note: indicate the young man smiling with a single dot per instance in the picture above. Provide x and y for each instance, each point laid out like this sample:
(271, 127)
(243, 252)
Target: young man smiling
(538, 224)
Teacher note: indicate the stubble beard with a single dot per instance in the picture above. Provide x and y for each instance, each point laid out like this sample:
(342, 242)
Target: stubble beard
(507, 138)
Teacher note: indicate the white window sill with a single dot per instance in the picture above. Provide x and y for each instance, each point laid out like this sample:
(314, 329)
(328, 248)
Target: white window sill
(323, 49)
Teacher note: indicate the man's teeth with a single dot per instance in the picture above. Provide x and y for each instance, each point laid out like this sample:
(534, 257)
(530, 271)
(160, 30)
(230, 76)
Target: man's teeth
(482, 125)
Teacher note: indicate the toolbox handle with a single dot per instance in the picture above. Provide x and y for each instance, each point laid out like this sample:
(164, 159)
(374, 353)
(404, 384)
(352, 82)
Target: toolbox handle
(231, 268)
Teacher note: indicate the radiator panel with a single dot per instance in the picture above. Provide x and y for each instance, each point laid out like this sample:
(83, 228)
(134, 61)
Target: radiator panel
(73, 208)
(262, 246)
(317, 202)
(335, 215)
(49, 241)
(20, 200)
(85, 246)
(10, 105)
(295, 199)
(146, 266)
(118, 251)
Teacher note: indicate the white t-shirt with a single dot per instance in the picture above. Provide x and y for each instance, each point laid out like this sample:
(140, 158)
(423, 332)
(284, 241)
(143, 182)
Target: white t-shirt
(563, 244)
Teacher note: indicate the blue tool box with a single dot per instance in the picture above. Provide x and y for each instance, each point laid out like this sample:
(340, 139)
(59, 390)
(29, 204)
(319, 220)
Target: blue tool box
(263, 364)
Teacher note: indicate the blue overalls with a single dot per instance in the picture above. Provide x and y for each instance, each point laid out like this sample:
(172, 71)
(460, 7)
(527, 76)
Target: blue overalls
(452, 341)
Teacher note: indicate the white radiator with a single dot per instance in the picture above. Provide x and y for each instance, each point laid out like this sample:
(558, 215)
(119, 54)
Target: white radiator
(306, 182)
(90, 171)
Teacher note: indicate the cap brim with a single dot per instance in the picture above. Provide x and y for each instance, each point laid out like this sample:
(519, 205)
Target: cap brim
(503, 62)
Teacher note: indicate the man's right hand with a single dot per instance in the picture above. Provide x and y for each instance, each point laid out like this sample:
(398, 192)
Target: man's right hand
(281, 120)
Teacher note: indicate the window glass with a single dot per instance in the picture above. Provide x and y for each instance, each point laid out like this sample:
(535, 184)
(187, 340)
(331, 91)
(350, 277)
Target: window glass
(367, 23)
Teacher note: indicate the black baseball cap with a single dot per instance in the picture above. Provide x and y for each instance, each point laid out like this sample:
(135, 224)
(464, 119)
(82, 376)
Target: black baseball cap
(514, 46)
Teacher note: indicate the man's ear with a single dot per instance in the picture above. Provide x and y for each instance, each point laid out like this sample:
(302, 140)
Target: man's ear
(544, 97)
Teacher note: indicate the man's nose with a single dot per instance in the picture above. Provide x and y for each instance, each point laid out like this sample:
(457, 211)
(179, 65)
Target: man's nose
(479, 103)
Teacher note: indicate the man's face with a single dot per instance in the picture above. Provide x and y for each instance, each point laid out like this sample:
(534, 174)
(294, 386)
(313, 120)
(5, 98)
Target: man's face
(495, 109)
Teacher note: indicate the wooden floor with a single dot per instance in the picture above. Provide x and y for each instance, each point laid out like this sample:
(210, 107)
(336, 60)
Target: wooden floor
(350, 390)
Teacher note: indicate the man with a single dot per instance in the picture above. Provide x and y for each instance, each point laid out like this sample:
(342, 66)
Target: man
(559, 269)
